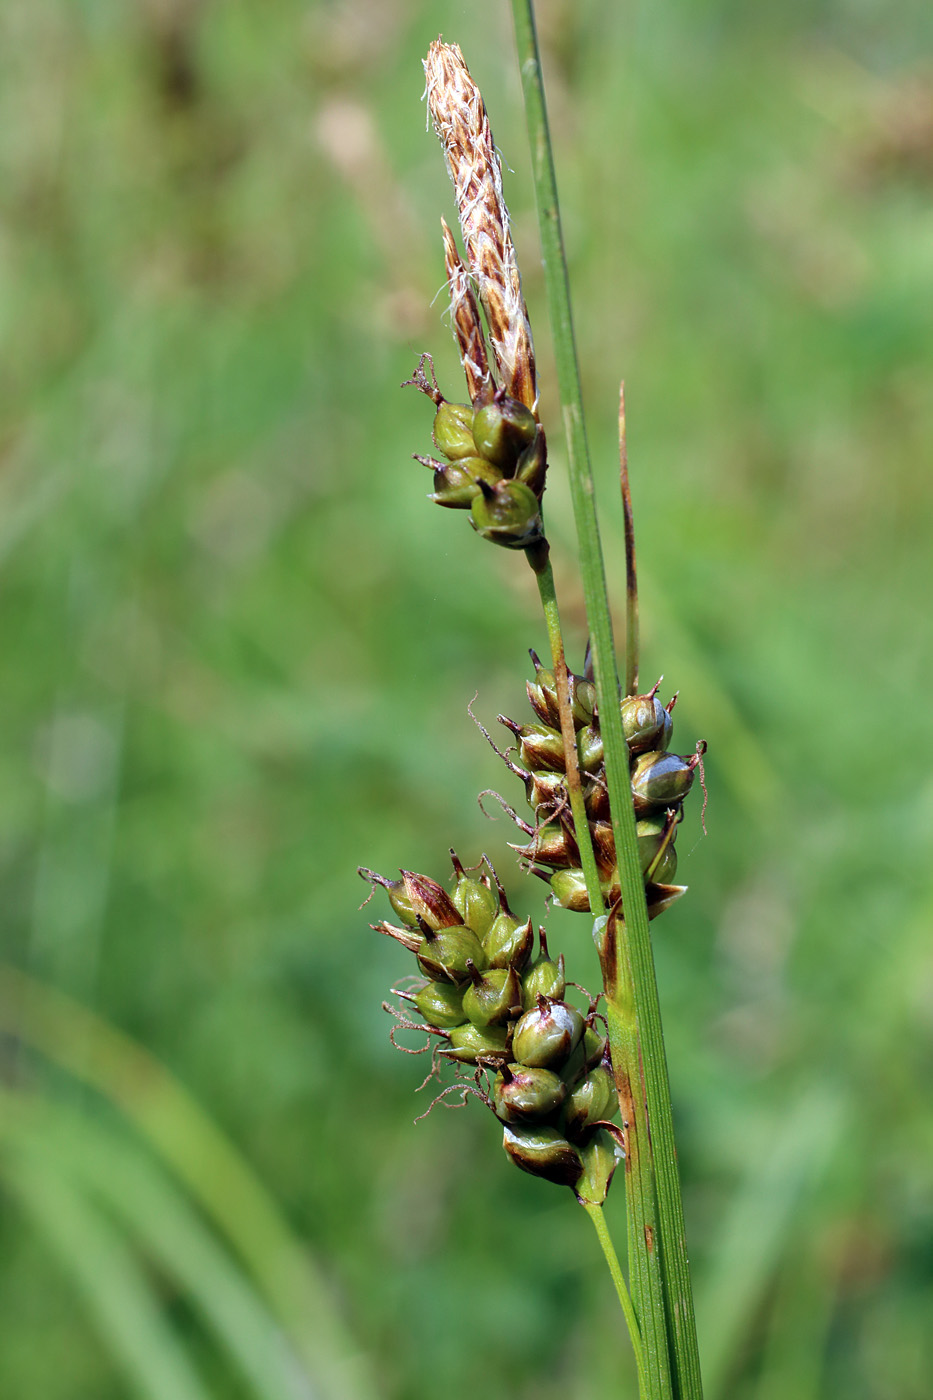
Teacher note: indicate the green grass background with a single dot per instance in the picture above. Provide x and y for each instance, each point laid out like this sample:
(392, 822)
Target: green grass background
(238, 646)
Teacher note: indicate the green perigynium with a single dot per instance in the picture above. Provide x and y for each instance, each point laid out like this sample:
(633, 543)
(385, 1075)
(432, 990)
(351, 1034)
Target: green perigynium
(531, 1051)
(660, 781)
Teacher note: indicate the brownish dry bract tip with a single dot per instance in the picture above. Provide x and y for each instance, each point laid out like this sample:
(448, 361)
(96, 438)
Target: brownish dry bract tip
(467, 326)
(462, 126)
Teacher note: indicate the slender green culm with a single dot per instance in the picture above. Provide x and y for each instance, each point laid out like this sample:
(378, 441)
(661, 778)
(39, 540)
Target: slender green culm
(544, 574)
(612, 1261)
(670, 1243)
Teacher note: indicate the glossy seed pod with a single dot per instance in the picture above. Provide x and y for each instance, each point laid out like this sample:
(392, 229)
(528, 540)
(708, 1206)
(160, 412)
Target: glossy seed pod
(546, 792)
(469, 1044)
(569, 887)
(508, 942)
(611, 888)
(650, 832)
(552, 844)
(592, 1099)
(502, 430)
(656, 847)
(531, 467)
(595, 1046)
(600, 1155)
(542, 696)
(590, 751)
(545, 978)
(453, 430)
(492, 996)
(397, 892)
(646, 723)
(524, 1095)
(475, 901)
(582, 700)
(401, 903)
(596, 799)
(547, 1034)
(430, 901)
(457, 484)
(664, 869)
(604, 846)
(444, 956)
(507, 514)
(660, 780)
(440, 1003)
(590, 1052)
(540, 746)
(543, 1152)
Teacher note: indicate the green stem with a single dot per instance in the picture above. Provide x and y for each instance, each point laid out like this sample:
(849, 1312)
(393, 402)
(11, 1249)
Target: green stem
(644, 1265)
(595, 1212)
(670, 1246)
(544, 574)
(641, 1212)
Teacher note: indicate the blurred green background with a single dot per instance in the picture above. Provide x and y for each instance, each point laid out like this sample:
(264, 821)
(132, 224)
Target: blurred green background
(238, 649)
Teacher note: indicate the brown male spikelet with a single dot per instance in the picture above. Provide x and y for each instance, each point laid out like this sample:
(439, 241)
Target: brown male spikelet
(462, 126)
(464, 313)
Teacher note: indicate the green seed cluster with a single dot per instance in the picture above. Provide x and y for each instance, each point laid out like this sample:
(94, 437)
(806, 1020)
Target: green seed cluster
(660, 781)
(503, 1011)
(495, 467)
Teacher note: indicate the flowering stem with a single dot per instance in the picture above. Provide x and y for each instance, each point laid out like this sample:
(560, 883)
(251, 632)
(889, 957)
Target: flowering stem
(641, 1212)
(595, 1212)
(653, 1378)
(544, 574)
(667, 1322)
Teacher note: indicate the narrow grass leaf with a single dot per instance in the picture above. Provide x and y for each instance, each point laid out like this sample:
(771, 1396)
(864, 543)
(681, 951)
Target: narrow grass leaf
(754, 1236)
(215, 1173)
(102, 1163)
(116, 1289)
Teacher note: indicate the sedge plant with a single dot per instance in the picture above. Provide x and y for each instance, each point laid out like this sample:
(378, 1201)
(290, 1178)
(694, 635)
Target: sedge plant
(577, 1090)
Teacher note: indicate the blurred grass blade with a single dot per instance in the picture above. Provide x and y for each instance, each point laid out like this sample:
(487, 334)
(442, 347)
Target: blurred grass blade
(801, 1319)
(215, 1173)
(115, 1287)
(754, 1236)
(103, 1163)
